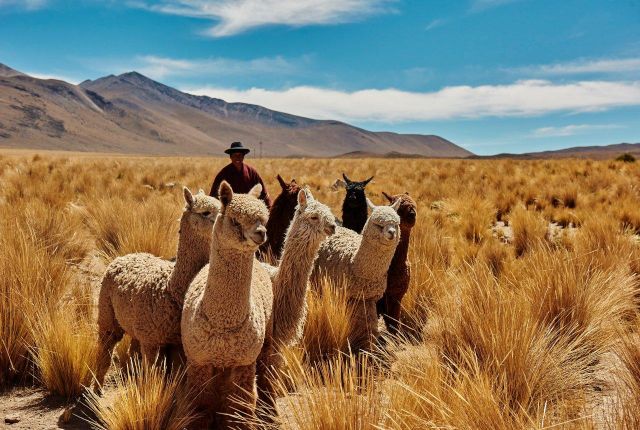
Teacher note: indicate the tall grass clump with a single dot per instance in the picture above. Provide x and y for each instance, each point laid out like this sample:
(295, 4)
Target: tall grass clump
(64, 351)
(326, 328)
(125, 226)
(33, 280)
(529, 229)
(341, 393)
(489, 331)
(145, 397)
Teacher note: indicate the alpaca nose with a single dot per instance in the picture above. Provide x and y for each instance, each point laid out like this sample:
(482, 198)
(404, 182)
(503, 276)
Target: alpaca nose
(391, 233)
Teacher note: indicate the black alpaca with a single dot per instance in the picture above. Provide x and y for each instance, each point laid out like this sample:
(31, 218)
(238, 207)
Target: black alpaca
(354, 208)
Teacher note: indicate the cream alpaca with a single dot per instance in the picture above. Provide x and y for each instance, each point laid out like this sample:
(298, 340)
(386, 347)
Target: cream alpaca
(142, 295)
(360, 263)
(227, 309)
(311, 224)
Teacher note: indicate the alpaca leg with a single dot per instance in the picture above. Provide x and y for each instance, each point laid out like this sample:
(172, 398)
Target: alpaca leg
(109, 334)
(134, 350)
(363, 332)
(107, 340)
(267, 368)
(150, 352)
(392, 314)
(204, 387)
(241, 399)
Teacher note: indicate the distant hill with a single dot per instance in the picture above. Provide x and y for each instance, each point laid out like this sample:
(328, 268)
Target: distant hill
(131, 113)
(591, 152)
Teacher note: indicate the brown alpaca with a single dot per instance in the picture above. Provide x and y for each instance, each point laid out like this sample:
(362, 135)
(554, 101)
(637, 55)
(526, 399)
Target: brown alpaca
(280, 216)
(399, 273)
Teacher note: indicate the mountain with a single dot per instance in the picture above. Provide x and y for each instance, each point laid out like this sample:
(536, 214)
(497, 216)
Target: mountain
(131, 113)
(591, 152)
(7, 71)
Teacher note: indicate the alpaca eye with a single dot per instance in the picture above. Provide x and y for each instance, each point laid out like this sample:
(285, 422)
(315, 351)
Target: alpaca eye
(314, 217)
(207, 213)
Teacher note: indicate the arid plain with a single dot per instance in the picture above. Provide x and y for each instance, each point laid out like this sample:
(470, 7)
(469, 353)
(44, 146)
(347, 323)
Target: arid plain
(522, 311)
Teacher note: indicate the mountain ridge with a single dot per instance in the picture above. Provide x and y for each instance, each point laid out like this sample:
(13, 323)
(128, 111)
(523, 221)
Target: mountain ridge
(131, 113)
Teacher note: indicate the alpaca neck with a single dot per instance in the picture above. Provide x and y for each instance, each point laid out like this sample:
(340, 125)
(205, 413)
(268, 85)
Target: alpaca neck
(191, 257)
(402, 251)
(298, 255)
(227, 296)
(372, 259)
(354, 218)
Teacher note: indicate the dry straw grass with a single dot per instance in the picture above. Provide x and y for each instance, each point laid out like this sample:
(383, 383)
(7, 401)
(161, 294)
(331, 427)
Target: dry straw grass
(510, 328)
(145, 397)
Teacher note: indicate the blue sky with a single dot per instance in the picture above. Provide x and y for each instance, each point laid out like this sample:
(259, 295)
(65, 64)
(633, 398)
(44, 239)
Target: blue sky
(490, 75)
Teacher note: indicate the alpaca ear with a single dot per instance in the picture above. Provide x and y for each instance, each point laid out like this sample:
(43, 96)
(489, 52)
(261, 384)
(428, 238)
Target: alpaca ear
(225, 192)
(339, 183)
(308, 195)
(367, 181)
(388, 197)
(396, 205)
(293, 181)
(188, 197)
(370, 204)
(255, 191)
(302, 198)
(283, 184)
(347, 180)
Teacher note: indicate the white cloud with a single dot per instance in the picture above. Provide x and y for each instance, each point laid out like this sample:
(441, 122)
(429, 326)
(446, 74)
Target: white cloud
(522, 98)
(603, 65)
(24, 4)
(435, 24)
(479, 5)
(158, 67)
(50, 76)
(237, 16)
(161, 67)
(571, 130)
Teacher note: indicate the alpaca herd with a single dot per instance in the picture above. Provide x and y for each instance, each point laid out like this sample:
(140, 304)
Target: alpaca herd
(227, 314)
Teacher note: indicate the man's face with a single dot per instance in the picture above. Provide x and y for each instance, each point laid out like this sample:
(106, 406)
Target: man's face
(237, 158)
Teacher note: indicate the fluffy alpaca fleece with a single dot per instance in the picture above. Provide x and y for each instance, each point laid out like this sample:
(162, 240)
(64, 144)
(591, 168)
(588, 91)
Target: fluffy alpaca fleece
(354, 206)
(280, 216)
(312, 223)
(227, 310)
(360, 263)
(142, 295)
(399, 274)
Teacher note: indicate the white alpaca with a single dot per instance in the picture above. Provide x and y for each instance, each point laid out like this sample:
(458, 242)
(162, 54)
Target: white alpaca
(142, 294)
(227, 309)
(311, 224)
(359, 263)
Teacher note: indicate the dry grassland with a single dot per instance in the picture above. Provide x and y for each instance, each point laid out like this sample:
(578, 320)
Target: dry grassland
(522, 311)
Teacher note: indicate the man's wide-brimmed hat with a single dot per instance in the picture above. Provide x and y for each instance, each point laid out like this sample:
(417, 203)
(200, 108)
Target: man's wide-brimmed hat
(237, 147)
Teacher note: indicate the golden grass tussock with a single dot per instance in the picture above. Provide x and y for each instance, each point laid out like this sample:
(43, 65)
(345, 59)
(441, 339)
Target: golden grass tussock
(524, 285)
(341, 393)
(326, 328)
(123, 227)
(33, 278)
(145, 397)
(529, 229)
(64, 351)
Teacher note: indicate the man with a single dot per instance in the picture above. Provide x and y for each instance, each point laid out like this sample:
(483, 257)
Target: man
(239, 175)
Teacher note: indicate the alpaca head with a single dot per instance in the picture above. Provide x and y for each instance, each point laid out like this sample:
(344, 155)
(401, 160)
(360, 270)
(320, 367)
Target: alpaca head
(316, 217)
(355, 197)
(408, 209)
(242, 221)
(383, 224)
(288, 197)
(199, 214)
